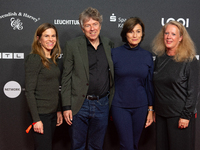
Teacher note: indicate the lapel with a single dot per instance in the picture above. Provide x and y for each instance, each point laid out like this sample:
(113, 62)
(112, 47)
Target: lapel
(82, 47)
(107, 49)
(84, 55)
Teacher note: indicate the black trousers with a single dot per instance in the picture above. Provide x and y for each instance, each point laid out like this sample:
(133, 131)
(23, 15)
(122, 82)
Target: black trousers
(44, 141)
(170, 137)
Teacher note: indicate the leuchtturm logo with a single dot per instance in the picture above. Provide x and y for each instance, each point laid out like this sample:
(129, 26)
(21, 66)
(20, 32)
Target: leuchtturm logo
(66, 22)
(15, 19)
(185, 22)
(7, 55)
(12, 89)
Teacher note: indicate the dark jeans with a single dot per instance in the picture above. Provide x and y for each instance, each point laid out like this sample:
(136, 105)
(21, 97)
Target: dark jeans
(89, 125)
(44, 141)
(129, 123)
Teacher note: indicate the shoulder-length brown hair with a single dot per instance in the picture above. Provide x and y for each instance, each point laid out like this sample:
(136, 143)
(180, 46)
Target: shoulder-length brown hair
(186, 48)
(129, 24)
(36, 46)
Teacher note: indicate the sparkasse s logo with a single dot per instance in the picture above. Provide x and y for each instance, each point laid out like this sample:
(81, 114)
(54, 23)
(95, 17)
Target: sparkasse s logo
(113, 18)
(119, 20)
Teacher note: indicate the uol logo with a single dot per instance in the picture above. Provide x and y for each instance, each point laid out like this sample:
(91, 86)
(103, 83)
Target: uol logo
(185, 22)
(16, 24)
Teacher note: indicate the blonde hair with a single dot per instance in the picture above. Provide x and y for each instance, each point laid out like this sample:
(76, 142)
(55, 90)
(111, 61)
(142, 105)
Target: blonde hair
(36, 46)
(186, 49)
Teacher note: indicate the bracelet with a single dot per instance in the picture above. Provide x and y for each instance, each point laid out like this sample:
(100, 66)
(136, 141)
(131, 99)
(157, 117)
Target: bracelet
(150, 110)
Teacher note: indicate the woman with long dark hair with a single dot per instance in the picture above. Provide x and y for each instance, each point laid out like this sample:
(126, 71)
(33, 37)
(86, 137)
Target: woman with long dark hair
(42, 85)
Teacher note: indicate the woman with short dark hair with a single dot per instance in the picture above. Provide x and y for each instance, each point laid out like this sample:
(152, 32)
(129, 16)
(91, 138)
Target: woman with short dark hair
(133, 100)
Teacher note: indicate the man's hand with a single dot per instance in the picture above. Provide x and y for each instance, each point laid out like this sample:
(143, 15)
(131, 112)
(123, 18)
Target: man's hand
(59, 118)
(68, 116)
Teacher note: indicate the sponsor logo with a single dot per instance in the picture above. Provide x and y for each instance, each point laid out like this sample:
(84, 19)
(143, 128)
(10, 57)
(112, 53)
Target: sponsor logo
(154, 58)
(66, 22)
(197, 56)
(8, 55)
(15, 22)
(12, 89)
(185, 22)
(61, 55)
(11, 55)
(119, 20)
(113, 18)
(18, 55)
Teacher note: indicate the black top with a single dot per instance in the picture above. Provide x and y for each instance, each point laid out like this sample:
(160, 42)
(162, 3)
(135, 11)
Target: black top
(98, 70)
(176, 87)
(42, 86)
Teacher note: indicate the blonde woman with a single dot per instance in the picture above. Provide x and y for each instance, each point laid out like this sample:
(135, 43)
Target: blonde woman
(176, 87)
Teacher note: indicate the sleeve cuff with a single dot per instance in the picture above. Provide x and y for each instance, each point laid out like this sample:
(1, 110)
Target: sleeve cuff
(186, 115)
(66, 108)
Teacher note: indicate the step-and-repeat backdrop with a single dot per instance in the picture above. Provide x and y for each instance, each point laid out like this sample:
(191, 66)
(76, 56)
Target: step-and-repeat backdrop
(20, 18)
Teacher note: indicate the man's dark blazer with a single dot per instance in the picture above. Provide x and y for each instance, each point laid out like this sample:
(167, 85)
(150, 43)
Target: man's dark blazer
(75, 77)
